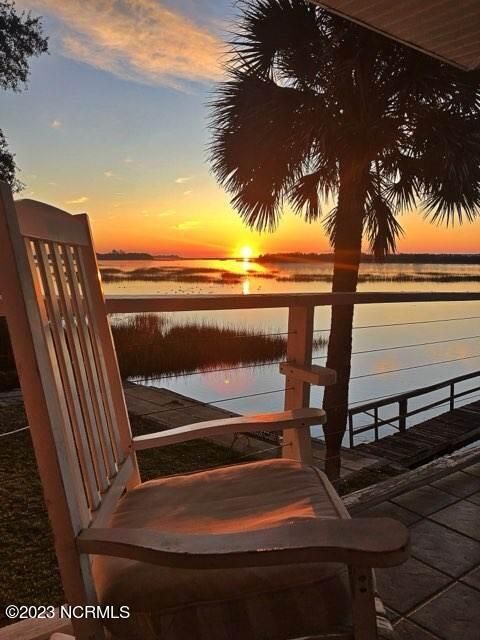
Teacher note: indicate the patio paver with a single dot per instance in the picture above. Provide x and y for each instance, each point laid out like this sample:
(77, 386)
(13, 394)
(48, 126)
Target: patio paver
(444, 549)
(463, 516)
(405, 587)
(473, 578)
(459, 484)
(473, 469)
(452, 615)
(475, 498)
(390, 510)
(436, 594)
(407, 630)
(425, 500)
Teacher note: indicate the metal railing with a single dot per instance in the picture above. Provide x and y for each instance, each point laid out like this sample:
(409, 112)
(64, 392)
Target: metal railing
(401, 399)
(300, 333)
(300, 338)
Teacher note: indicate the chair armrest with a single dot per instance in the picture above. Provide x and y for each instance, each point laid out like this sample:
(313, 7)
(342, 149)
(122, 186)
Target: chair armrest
(296, 418)
(363, 542)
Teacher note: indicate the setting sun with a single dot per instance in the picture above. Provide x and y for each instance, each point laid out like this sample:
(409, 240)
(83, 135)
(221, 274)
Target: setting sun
(246, 253)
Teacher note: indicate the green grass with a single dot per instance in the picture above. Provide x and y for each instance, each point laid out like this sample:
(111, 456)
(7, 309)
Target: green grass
(29, 572)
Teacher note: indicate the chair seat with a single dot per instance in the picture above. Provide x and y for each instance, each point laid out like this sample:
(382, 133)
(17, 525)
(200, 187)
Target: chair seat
(255, 603)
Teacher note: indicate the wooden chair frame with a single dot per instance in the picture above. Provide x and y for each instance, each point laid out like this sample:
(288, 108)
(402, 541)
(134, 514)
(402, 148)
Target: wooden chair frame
(84, 447)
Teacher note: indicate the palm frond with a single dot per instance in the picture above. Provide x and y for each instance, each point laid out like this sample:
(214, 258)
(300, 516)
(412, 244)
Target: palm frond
(449, 168)
(402, 188)
(330, 225)
(268, 32)
(381, 226)
(307, 91)
(305, 198)
(262, 138)
(306, 194)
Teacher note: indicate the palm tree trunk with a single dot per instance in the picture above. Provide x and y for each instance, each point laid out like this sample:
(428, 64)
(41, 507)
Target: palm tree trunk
(348, 246)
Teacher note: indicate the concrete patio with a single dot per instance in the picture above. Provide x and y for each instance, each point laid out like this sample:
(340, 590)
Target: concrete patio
(436, 594)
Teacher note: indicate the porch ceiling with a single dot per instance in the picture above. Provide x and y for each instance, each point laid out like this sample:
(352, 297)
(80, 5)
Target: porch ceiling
(446, 29)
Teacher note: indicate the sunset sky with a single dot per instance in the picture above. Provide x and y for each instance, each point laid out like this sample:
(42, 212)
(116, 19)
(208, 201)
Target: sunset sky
(114, 123)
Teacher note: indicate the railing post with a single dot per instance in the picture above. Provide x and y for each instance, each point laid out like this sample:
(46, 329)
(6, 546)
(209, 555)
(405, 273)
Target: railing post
(297, 442)
(351, 432)
(375, 426)
(402, 417)
(452, 396)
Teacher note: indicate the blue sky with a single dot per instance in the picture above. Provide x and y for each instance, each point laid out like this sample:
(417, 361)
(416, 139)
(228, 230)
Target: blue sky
(114, 119)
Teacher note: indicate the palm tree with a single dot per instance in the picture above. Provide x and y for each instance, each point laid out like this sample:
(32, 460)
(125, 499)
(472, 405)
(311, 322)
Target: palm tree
(316, 107)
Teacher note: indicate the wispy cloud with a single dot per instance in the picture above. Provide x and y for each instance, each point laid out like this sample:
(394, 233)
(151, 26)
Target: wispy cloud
(80, 200)
(140, 40)
(55, 124)
(108, 174)
(183, 179)
(185, 226)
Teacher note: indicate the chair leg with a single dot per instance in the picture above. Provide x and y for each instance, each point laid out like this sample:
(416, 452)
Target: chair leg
(88, 630)
(363, 604)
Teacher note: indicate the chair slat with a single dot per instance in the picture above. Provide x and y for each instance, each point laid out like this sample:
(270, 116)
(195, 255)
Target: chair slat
(68, 376)
(60, 419)
(78, 385)
(103, 514)
(110, 379)
(85, 385)
(93, 375)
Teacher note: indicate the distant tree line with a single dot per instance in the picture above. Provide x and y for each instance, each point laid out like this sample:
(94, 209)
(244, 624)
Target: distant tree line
(119, 254)
(399, 258)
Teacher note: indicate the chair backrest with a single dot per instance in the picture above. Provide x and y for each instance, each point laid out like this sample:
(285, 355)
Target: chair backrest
(65, 359)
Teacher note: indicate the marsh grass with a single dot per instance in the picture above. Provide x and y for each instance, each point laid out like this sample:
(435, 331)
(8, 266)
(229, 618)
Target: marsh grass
(384, 277)
(219, 276)
(151, 345)
(160, 274)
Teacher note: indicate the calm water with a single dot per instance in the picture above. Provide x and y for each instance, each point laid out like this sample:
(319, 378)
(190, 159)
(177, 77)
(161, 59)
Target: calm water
(250, 277)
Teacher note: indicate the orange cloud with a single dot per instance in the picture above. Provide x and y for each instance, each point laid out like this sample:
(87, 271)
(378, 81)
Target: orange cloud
(80, 200)
(138, 40)
(185, 226)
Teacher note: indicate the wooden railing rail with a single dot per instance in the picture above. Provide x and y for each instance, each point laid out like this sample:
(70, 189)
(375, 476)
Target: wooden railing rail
(222, 302)
(209, 302)
(402, 400)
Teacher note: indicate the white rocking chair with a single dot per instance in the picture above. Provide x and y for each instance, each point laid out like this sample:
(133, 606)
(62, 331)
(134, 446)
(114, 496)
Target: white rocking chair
(264, 550)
